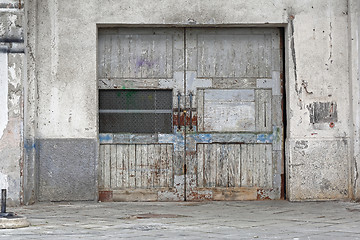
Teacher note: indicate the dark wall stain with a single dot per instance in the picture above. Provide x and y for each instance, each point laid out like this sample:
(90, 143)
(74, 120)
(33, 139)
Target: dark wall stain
(323, 112)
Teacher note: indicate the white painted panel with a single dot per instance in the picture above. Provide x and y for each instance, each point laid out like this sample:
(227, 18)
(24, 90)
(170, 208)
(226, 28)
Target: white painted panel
(229, 117)
(229, 110)
(229, 95)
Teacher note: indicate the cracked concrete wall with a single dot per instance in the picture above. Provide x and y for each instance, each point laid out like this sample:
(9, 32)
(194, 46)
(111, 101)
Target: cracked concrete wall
(11, 100)
(62, 91)
(318, 102)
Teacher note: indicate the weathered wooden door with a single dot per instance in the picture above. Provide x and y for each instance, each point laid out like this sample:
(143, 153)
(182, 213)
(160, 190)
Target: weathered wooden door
(189, 114)
(234, 143)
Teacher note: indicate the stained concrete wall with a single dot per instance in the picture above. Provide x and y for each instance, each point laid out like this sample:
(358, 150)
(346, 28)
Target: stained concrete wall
(61, 102)
(11, 99)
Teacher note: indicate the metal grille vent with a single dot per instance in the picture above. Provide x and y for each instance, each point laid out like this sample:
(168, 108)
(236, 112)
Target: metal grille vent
(135, 111)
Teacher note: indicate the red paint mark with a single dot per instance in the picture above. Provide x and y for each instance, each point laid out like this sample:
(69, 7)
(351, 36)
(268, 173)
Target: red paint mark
(197, 196)
(191, 153)
(314, 133)
(105, 196)
(332, 125)
(263, 194)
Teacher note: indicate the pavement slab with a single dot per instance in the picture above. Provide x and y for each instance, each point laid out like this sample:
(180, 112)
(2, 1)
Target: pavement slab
(189, 220)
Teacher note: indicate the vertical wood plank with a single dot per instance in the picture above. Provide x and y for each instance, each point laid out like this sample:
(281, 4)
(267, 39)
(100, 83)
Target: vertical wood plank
(163, 165)
(225, 168)
(126, 166)
(132, 166)
(231, 163)
(107, 57)
(154, 167)
(113, 165)
(107, 167)
(207, 165)
(243, 164)
(170, 165)
(238, 166)
(132, 53)
(256, 164)
(269, 166)
(200, 109)
(267, 55)
(200, 168)
(101, 166)
(101, 55)
(219, 165)
(263, 110)
(268, 116)
(119, 165)
(144, 166)
(251, 164)
(138, 165)
(247, 164)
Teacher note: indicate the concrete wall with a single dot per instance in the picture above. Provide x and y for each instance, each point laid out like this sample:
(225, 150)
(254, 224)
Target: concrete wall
(61, 90)
(11, 99)
(354, 71)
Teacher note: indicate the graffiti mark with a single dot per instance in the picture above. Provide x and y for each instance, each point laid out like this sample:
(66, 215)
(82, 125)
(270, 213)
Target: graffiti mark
(144, 63)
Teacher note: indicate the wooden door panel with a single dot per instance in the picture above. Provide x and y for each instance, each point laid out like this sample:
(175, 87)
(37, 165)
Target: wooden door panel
(140, 158)
(239, 129)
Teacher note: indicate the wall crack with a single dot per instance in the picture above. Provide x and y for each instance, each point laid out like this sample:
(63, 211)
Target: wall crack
(293, 54)
(330, 41)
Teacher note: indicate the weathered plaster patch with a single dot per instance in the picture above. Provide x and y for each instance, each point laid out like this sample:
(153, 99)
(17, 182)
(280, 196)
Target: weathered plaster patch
(14, 81)
(318, 169)
(3, 92)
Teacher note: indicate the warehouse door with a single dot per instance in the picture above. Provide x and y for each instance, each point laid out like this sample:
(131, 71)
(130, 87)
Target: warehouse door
(190, 114)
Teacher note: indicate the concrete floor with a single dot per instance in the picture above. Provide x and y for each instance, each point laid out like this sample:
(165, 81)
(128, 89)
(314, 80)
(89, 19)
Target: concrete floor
(189, 220)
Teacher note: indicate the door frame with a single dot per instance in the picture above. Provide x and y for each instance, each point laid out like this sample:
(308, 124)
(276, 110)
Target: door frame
(107, 196)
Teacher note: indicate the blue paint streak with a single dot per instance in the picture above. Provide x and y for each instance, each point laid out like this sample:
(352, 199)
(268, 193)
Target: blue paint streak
(29, 146)
(264, 138)
(105, 138)
(202, 138)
